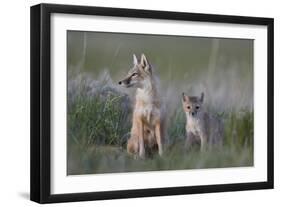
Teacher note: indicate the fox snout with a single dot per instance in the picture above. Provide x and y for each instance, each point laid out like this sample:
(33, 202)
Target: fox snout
(125, 82)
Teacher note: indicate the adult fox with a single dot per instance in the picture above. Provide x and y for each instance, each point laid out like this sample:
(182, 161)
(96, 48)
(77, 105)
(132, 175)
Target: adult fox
(147, 132)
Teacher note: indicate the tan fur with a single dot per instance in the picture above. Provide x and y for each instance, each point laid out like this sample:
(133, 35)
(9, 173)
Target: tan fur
(147, 123)
(201, 127)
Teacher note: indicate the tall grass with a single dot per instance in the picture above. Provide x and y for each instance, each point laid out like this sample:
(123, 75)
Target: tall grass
(99, 122)
(99, 112)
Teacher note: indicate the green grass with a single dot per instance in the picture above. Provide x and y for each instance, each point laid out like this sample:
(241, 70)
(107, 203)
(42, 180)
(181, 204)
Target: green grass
(98, 121)
(99, 113)
(107, 159)
(99, 126)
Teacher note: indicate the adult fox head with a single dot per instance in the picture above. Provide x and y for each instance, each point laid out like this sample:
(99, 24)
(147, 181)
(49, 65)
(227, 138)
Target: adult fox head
(138, 74)
(192, 105)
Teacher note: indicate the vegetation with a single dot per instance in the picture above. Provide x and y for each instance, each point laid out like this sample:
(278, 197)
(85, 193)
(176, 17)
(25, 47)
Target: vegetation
(99, 112)
(99, 125)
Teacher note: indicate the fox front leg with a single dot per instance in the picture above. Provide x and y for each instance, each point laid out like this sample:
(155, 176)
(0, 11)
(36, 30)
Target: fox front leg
(203, 142)
(133, 145)
(141, 140)
(189, 140)
(159, 138)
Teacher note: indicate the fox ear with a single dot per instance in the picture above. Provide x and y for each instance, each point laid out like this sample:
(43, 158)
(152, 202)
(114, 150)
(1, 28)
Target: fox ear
(185, 98)
(144, 61)
(135, 59)
(202, 97)
(145, 64)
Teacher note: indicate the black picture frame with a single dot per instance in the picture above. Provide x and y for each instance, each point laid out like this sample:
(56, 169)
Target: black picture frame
(41, 99)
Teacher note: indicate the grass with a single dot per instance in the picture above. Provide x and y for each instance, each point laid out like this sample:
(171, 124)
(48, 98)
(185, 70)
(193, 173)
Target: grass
(99, 125)
(98, 121)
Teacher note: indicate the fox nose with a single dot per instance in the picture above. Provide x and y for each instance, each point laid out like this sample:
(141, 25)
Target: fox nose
(120, 82)
(192, 113)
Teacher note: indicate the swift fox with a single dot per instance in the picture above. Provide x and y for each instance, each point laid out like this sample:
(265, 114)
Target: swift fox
(147, 128)
(201, 127)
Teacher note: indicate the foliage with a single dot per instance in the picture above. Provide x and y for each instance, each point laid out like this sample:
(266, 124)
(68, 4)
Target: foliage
(99, 126)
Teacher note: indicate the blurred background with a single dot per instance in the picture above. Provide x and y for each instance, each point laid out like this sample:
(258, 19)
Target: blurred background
(99, 110)
(222, 68)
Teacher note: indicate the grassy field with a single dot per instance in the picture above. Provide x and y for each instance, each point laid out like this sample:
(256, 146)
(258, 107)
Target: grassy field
(99, 125)
(99, 111)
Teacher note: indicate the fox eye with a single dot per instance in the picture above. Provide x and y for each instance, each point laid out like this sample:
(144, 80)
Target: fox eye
(197, 107)
(134, 74)
(188, 107)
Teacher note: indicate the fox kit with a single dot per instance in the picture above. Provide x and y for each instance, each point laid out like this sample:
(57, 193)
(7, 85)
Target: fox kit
(147, 127)
(201, 127)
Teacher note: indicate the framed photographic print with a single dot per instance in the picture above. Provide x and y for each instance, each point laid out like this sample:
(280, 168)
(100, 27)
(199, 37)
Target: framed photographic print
(132, 103)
